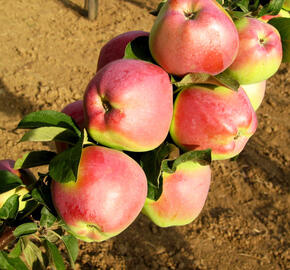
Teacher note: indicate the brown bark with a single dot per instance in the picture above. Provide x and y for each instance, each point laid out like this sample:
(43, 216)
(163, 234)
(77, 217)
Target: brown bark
(6, 237)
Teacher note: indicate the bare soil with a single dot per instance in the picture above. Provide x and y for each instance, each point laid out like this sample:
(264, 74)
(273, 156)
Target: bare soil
(49, 52)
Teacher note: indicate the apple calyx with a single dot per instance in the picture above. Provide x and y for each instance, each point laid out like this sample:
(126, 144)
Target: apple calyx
(95, 228)
(190, 15)
(262, 39)
(106, 104)
(238, 135)
(94, 232)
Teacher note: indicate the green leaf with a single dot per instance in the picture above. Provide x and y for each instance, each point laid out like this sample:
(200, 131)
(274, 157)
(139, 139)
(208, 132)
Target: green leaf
(254, 5)
(5, 262)
(51, 236)
(48, 119)
(238, 14)
(243, 5)
(225, 79)
(54, 255)
(272, 8)
(16, 251)
(10, 208)
(10, 263)
(30, 206)
(151, 163)
(166, 158)
(34, 159)
(190, 80)
(203, 157)
(156, 11)
(64, 167)
(283, 26)
(42, 194)
(71, 244)
(9, 181)
(139, 49)
(33, 255)
(47, 219)
(25, 229)
(47, 134)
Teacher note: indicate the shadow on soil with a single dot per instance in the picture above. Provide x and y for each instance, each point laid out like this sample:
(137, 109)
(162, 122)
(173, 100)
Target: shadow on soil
(80, 11)
(10, 104)
(277, 175)
(143, 244)
(141, 4)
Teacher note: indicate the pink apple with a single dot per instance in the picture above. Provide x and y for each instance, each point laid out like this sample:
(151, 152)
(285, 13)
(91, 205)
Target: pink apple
(25, 175)
(193, 36)
(260, 52)
(128, 105)
(76, 112)
(255, 93)
(115, 48)
(213, 117)
(110, 192)
(183, 195)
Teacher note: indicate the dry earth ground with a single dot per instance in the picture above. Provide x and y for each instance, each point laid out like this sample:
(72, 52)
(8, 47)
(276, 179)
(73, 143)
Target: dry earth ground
(49, 53)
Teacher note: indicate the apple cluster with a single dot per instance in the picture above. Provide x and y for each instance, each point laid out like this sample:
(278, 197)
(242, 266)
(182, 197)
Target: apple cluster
(155, 120)
(134, 105)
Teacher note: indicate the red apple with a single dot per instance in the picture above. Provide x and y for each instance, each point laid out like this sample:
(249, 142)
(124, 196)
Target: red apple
(183, 195)
(109, 193)
(193, 36)
(255, 93)
(260, 52)
(25, 175)
(76, 112)
(115, 48)
(213, 117)
(128, 105)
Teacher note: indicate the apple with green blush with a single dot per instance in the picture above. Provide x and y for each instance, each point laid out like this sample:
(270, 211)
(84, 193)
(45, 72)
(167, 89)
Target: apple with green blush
(128, 105)
(108, 195)
(183, 195)
(255, 93)
(260, 51)
(193, 36)
(213, 117)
